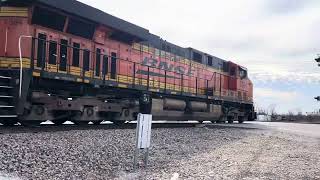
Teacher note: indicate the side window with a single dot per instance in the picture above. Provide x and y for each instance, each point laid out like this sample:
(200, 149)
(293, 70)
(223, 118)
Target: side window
(41, 55)
(98, 58)
(243, 73)
(76, 54)
(81, 28)
(47, 18)
(63, 55)
(225, 66)
(197, 57)
(86, 60)
(210, 62)
(105, 65)
(113, 65)
(53, 52)
(232, 71)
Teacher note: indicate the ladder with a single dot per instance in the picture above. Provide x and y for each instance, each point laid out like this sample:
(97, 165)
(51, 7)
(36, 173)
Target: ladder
(8, 113)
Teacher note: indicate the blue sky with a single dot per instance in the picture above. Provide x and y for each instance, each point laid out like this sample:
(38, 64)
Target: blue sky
(276, 39)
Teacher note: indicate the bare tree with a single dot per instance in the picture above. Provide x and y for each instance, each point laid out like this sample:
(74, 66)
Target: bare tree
(272, 110)
(262, 111)
(290, 115)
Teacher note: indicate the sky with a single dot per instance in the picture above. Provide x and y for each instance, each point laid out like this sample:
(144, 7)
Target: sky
(277, 40)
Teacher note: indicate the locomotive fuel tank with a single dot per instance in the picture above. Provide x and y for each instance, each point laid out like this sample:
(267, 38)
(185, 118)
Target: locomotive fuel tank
(195, 106)
(173, 104)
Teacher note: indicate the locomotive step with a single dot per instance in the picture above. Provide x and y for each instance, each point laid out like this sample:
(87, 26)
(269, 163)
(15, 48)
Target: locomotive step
(6, 87)
(5, 77)
(4, 96)
(8, 116)
(6, 106)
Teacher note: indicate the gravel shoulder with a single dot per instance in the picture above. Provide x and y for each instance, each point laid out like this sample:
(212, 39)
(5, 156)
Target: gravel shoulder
(268, 155)
(214, 152)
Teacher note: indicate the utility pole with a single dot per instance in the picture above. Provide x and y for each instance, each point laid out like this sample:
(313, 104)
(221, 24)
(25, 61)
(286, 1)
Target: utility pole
(318, 61)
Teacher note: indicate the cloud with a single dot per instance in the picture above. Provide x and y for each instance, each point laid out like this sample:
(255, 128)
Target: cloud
(286, 6)
(282, 96)
(242, 27)
(275, 73)
(282, 100)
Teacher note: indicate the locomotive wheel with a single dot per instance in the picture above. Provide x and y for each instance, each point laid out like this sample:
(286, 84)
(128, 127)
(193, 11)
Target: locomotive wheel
(31, 123)
(96, 122)
(118, 123)
(220, 122)
(9, 123)
(200, 122)
(240, 120)
(213, 122)
(58, 122)
(61, 117)
(230, 120)
(81, 123)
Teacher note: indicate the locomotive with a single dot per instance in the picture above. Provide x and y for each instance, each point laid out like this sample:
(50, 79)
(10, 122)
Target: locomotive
(63, 60)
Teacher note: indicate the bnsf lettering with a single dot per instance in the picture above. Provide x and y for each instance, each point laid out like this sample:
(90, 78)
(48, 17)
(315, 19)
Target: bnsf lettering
(165, 66)
(168, 67)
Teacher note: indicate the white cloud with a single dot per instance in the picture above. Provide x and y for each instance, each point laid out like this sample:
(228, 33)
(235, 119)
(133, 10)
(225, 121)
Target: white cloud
(249, 28)
(281, 96)
(274, 73)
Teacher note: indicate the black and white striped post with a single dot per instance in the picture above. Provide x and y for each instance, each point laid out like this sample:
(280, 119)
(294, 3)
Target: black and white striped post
(143, 138)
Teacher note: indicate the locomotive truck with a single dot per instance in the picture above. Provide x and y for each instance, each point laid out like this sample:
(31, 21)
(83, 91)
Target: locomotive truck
(64, 60)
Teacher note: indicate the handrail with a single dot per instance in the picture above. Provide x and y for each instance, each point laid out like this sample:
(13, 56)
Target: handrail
(126, 60)
(213, 77)
(21, 63)
(6, 43)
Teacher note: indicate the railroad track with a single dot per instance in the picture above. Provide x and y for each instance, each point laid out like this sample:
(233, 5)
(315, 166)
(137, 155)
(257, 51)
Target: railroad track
(155, 125)
(70, 127)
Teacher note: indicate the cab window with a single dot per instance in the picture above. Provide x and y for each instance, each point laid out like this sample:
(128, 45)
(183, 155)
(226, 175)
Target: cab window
(232, 71)
(243, 73)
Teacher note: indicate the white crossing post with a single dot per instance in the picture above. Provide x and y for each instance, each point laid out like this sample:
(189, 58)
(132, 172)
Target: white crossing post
(143, 138)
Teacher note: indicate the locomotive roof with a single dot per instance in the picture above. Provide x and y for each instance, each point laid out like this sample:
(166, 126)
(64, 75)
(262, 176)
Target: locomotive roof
(85, 11)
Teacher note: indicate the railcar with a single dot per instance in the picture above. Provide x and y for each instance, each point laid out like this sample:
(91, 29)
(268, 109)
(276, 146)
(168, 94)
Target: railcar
(63, 60)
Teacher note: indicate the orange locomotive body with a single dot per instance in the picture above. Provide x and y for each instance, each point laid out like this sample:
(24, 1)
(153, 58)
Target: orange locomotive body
(63, 60)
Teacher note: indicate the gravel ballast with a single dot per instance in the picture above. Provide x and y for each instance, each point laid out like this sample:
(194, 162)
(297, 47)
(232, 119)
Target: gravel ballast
(190, 153)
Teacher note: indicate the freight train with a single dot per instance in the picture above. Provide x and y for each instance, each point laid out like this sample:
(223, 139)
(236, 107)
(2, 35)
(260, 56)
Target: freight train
(63, 60)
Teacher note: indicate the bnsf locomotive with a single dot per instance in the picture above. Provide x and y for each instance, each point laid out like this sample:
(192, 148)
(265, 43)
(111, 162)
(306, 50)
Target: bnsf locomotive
(63, 60)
